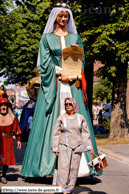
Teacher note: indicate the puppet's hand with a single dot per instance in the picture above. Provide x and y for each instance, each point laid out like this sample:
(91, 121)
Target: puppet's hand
(57, 154)
(64, 77)
(74, 46)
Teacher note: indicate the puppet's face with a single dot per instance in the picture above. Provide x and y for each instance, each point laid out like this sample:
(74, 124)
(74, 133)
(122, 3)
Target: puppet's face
(68, 106)
(62, 18)
(2, 88)
(3, 109)
(33, 86)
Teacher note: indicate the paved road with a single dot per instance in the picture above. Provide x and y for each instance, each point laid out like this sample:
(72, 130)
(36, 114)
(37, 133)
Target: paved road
(122, 150)
(115, 178)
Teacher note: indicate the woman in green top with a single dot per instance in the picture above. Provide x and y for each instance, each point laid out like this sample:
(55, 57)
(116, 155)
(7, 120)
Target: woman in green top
(59, 33)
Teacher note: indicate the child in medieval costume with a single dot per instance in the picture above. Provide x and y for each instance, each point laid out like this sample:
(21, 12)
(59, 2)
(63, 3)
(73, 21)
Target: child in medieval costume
(71, 137)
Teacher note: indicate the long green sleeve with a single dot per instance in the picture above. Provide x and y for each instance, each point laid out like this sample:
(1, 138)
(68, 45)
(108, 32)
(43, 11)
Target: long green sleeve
(48, 74)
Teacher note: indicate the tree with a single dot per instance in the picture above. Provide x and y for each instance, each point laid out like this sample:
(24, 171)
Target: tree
(105, 35)
(23, 29)
(5, 6)
(103, 90)
(128, 72)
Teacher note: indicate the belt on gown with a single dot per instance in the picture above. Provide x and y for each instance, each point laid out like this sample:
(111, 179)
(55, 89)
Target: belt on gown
(5, 135)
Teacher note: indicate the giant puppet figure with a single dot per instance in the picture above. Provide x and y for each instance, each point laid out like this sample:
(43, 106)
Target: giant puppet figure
(3, 93)
(32, 88)
(60, 32)
(9, 126)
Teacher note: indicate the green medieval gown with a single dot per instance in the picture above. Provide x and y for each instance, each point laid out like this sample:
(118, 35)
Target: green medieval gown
(39, 160)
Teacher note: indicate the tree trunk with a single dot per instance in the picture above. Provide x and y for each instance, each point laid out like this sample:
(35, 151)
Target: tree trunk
(89, 78)
(119, 121)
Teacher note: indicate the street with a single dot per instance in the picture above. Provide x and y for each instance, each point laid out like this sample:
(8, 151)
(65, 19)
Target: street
(115, 178)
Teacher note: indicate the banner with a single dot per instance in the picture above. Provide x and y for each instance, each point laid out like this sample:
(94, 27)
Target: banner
(24, 95)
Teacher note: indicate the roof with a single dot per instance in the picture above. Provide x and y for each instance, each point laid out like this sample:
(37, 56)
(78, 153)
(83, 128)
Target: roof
(16, 89)
(9, 91)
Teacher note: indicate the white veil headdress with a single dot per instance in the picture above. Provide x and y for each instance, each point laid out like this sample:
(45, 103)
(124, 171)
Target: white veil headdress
(51, 26)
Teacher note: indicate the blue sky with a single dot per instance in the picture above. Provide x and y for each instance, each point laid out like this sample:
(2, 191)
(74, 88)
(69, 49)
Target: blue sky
(9, 85)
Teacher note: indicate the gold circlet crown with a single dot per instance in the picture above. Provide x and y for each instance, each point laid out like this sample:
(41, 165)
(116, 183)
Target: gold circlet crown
(63, 5)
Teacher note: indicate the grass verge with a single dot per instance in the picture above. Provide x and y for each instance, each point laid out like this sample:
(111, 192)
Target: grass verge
(102, 139)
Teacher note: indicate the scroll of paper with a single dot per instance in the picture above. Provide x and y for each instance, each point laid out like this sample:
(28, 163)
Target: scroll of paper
(72, 62)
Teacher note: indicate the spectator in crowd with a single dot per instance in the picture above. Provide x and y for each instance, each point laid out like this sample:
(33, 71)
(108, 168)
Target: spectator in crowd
(29, 124)
(99, 107)
(94, 111)
(13, 108)
(100, 117)
(18, 112)
(107, 109)
(100, 127)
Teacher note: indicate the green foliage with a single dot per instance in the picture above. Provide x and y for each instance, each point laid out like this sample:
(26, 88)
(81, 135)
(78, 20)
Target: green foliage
(20, 36)
(103, 90)
(107, 125)
(5, 6)
(128, 73)
(105, 34)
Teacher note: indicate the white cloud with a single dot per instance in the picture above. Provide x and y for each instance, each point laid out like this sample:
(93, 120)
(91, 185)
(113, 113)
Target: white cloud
(7, 86)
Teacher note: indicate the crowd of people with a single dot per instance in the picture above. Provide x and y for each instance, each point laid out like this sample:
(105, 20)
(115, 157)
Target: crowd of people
(101, 114)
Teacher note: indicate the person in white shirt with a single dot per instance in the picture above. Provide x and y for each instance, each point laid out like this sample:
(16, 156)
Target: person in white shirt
(98, 109)
(29, 124)
(94, 110)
